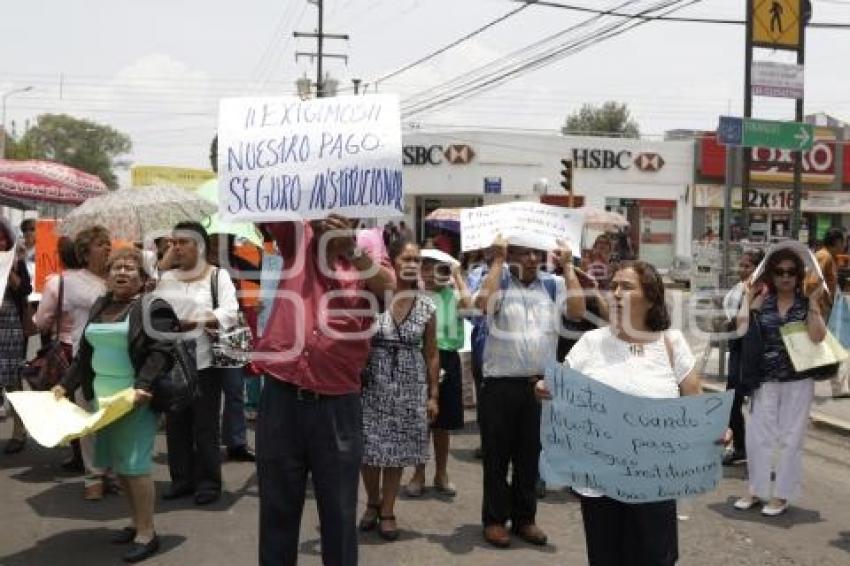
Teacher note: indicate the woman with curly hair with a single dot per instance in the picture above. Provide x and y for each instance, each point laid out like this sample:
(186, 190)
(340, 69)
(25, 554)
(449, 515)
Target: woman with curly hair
(638, 355)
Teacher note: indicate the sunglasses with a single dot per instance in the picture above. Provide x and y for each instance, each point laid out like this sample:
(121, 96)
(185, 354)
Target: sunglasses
(785, 272)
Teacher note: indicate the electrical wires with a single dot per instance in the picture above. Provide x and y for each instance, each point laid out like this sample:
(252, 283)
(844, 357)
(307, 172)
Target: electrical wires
(484, 78)
(547, 4)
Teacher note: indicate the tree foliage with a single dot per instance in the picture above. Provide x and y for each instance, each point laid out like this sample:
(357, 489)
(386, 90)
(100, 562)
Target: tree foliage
(609, 118)
(85, 145)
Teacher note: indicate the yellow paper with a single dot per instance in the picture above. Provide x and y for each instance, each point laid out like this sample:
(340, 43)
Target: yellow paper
(52, 421)
(806, 354)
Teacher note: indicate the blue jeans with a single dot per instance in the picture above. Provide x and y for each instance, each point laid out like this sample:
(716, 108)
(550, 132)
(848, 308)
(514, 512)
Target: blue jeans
(234, 426)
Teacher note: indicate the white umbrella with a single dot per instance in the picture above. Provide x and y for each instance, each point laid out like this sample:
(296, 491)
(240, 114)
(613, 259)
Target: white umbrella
(603, 219)
(131, 214)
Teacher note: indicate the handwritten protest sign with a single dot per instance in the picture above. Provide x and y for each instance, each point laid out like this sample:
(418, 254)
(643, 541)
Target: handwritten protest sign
(528, 224)
(287, 158)
(52, 421)
(633, 449)
(46, 252)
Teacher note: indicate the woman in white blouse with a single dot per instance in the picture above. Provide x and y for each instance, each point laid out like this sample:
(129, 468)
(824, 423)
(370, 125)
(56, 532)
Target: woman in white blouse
(193, 435)
(637, 355)
(83, 282)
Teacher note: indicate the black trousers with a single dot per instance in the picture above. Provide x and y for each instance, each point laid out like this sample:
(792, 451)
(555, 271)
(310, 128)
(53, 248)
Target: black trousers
(510, 435)
(630, 534)
(294, 437)
(193, 436)
(477, 377)
(736, 417)
(736, 423)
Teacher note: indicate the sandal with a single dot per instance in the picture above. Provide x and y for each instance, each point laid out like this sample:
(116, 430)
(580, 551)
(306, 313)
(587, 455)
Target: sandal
(448, 488)
(390, 535)
(414, 489)
(371, 517)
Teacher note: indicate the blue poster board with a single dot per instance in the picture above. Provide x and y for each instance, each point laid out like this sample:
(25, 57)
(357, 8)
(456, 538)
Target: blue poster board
(633, 449)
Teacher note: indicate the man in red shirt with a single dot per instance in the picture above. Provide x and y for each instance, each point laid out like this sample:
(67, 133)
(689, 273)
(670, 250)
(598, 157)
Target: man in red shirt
(313, 350)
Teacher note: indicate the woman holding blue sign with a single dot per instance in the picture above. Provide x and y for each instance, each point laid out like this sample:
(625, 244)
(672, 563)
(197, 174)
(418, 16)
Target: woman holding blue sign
(637, 355)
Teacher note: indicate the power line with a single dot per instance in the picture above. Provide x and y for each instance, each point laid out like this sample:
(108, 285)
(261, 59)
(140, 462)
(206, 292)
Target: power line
(506, 61)
(517, 58)
(547, 4)
(559, 53)
(455, 43)
(276, 58)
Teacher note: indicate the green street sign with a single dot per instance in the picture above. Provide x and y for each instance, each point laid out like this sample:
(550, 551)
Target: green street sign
(766, 133)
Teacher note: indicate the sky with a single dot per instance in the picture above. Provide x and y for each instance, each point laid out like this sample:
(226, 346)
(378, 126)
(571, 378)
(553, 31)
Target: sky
(156, 69)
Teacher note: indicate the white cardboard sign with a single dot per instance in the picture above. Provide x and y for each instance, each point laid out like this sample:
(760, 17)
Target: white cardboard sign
(285, 158)
(779, 80)
(528, 224)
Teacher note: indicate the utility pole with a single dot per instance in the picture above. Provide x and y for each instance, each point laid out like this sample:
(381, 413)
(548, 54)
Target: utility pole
(319, 55)
(797, 215)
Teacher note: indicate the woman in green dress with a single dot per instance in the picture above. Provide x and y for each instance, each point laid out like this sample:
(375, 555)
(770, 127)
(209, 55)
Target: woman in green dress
(117, 353)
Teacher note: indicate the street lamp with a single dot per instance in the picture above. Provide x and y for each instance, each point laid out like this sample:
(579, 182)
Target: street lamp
(3, 118)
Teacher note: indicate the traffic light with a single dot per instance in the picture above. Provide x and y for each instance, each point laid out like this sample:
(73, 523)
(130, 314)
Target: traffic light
(567, 175)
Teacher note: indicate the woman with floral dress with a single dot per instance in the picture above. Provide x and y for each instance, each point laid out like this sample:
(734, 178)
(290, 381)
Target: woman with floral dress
(400, 390)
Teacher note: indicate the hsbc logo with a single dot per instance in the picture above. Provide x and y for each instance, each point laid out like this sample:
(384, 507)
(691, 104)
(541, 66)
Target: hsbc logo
(623, 160)
(649, 162)
(456, 154)
(459, 154)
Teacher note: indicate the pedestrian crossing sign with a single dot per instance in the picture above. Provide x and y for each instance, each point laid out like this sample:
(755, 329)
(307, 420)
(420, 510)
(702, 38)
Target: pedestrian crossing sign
(776, 23)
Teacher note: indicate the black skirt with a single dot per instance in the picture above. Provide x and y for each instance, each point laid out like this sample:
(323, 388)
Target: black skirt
(451, 392)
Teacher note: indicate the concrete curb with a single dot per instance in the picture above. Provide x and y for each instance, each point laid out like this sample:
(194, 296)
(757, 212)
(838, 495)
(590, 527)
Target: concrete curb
(819, 419)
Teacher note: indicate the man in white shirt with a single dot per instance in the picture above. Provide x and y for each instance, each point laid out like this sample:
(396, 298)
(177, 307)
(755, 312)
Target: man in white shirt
(523, 307)
(194, 434)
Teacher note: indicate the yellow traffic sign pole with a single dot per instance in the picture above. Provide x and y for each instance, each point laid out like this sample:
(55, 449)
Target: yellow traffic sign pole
(796, 219)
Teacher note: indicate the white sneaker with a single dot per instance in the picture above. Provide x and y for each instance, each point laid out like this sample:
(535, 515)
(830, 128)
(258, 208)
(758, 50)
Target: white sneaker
(746, 503)
(771, 510)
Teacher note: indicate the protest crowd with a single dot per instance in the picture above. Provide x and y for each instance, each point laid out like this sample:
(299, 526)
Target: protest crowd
(338, 341)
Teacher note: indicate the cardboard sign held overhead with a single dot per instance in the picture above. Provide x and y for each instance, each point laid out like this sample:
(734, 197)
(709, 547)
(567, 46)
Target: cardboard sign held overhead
(528, 224)
(288, 159)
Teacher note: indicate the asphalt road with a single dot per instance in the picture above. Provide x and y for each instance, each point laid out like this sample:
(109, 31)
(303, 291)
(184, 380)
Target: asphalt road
(46, 522)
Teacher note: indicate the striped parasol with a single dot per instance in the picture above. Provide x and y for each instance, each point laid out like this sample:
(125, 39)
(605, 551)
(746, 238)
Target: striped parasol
(445, 218)
(48, 181)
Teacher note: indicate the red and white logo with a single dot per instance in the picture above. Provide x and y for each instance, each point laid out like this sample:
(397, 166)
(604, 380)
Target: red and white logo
(649, 162)
(459, 154)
